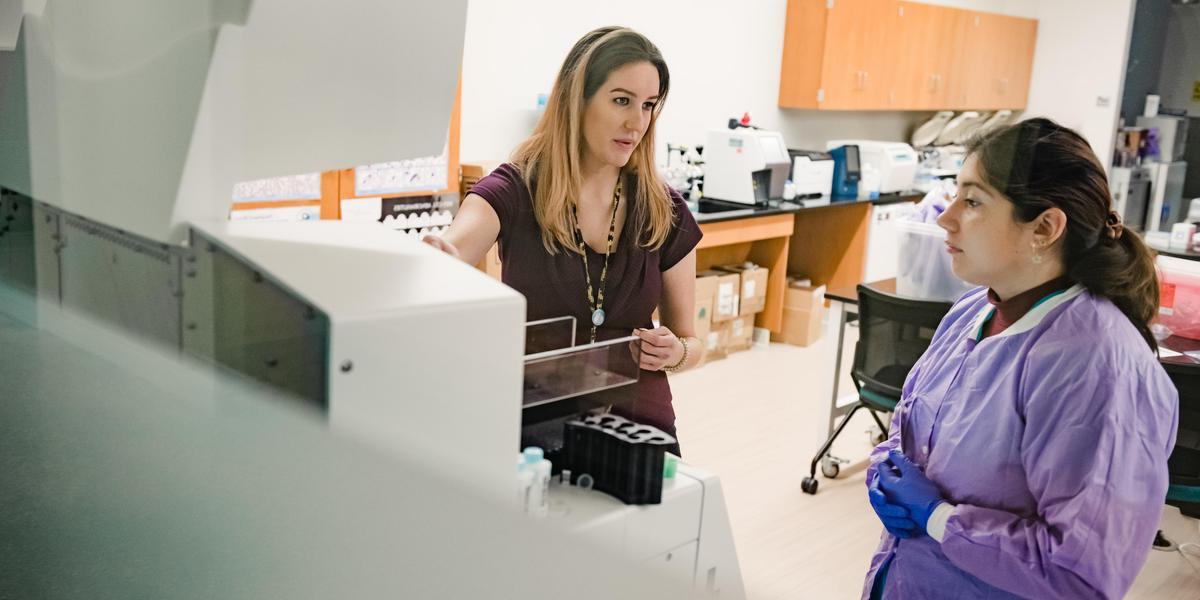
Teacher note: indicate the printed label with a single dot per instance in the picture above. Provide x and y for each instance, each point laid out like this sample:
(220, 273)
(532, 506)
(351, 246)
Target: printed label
(1166, 299)
(726, 299)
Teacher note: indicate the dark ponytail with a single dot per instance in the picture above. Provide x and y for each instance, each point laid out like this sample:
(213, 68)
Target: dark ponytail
(1038, 164)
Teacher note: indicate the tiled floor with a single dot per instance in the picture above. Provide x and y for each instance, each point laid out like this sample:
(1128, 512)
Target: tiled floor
(751, 418)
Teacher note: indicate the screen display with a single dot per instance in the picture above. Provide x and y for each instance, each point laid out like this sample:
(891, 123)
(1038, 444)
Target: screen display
(852, 159)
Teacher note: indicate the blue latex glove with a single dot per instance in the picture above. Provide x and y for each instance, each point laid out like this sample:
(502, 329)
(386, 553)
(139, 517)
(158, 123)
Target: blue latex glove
(895, 518)
(904, 484)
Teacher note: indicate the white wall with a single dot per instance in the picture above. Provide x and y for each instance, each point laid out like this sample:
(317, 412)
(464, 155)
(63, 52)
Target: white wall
(1015, 8)
(1181, 60)
(725, 56)
(1079, 67)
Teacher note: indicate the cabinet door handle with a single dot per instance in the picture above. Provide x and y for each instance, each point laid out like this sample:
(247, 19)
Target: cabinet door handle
(865, 75)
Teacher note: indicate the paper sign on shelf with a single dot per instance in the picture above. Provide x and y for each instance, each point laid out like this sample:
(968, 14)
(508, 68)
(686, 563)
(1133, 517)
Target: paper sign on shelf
(362, 209)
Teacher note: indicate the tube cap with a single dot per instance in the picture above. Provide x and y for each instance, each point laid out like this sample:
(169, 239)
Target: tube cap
(670, 464)
(533, 454)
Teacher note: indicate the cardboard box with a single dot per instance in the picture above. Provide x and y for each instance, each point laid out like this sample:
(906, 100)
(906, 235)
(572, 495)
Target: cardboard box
(725, 301)
(802, 297)
(706, 292)
(752, 287)
(741, 334)
(803, 312)
(715, 342)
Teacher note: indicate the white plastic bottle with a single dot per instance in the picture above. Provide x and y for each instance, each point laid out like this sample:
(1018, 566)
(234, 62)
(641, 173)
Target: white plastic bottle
(538, 504)
(524, 483)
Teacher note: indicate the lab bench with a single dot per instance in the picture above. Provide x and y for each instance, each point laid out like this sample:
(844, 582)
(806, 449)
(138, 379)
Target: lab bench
(822, 240)
(1174, 253)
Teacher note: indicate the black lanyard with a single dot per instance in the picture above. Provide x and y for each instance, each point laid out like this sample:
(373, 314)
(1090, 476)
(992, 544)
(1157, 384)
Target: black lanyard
(596, 299)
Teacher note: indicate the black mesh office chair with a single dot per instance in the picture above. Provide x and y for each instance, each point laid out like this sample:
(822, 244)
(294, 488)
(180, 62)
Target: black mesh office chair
(1184, 464)
(893, 332)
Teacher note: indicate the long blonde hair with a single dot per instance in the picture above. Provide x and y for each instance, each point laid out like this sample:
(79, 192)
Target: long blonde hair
(550, 159)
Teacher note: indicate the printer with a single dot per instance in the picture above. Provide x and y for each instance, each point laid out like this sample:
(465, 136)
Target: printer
(896, 162)
(812, 173)
(745, 165)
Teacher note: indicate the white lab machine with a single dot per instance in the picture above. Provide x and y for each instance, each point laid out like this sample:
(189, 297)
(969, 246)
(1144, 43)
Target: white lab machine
(364, 327)
(812, 173)
(1167, 205)
(745, 165)
(896, 162)
(1131, 194)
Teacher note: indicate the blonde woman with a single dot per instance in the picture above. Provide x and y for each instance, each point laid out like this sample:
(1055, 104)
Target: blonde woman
(585, 225)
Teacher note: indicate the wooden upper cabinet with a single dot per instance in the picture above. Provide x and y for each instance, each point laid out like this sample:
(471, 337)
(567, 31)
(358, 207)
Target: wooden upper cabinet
(903, 55)
(921, 73)
(982, 62)
(1017, 68)
(929, 60)
(998, 61)
(803, 53)
(856, 67)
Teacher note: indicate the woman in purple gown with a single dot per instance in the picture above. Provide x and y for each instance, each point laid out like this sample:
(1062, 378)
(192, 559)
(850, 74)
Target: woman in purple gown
(1028, 453)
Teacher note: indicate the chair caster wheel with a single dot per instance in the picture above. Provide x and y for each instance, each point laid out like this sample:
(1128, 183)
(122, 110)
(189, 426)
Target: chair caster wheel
(830, 468)
(809, 485)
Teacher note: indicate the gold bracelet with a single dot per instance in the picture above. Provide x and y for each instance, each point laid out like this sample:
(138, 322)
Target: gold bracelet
(675, 367)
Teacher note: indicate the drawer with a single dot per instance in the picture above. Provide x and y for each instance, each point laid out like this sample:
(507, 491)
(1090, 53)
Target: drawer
(678, 563)
(654, 529)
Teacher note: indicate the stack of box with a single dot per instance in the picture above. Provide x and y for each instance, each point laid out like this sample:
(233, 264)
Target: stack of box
(803, 312)
(718, 292)
(727, 298)
(706, 295)
(752, 299)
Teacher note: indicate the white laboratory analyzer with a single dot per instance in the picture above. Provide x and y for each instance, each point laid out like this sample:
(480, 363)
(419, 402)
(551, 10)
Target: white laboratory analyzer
(895, 162)
(384, 345)
(745, 165)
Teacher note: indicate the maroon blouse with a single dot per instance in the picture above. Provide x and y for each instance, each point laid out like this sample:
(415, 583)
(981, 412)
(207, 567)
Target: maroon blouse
(554, 285)
(1011, 310)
